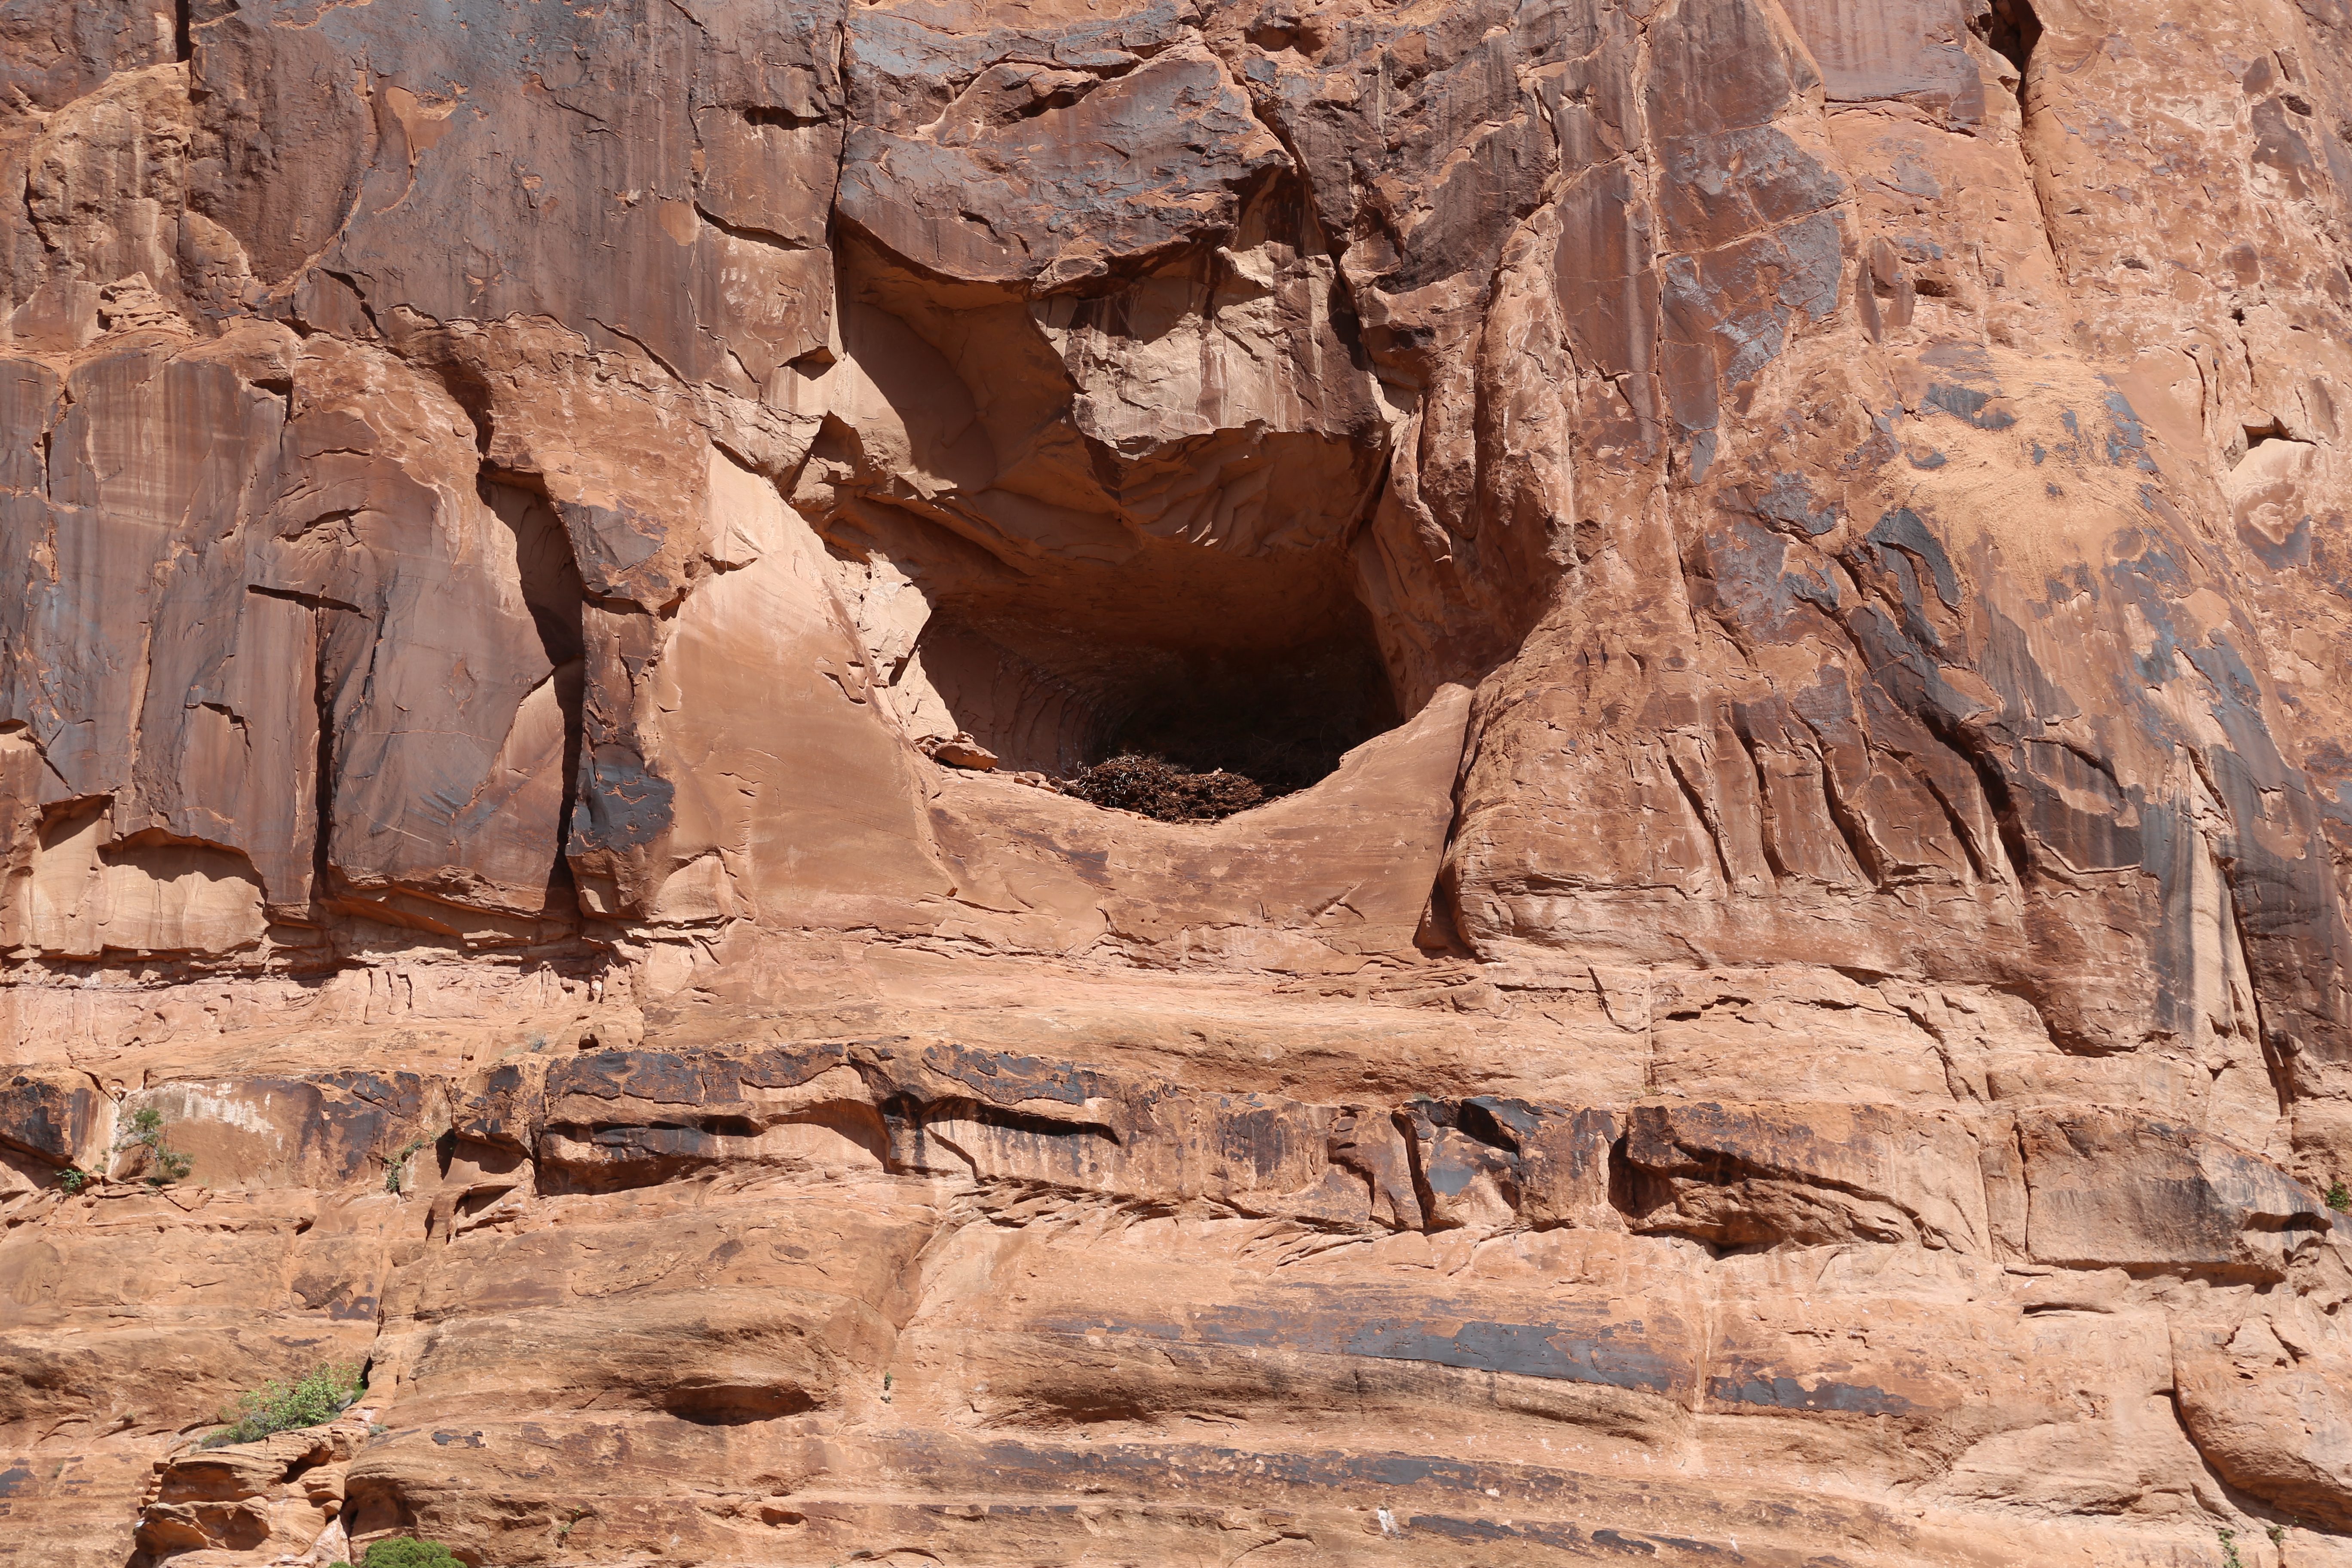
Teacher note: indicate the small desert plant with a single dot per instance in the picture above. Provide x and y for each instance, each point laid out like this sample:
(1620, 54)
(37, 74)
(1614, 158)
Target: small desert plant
(2230, 1558)
(316, 1400)
(2339, 1196)
(391, 1171)
(147, 1131)
(73, 1179)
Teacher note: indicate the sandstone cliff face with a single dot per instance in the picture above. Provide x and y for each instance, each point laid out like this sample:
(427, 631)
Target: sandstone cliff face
(1803, 1019)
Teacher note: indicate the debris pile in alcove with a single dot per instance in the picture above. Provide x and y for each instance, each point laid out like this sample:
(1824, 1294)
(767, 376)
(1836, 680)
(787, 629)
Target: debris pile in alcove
(1163, 790)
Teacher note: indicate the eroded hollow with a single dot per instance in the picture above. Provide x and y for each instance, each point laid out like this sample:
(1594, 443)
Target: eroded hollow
(1265, 669)
(709, 1402)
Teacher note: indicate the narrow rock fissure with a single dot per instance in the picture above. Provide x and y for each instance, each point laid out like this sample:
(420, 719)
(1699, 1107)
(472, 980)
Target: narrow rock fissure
(359, 294)
(1963, 832)
(1766, 824)
(1851, 828)
(308, 601)
(784, 118)
(557, 596)
(1422, 1193)
(2010, 29)
(1706, 818)
(1995, 784)
(2276, 1066)
(322, 699)
(181, 45)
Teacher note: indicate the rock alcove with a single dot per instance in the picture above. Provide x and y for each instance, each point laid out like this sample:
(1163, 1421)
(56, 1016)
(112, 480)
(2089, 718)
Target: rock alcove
(1275, 688)
(1054, 578)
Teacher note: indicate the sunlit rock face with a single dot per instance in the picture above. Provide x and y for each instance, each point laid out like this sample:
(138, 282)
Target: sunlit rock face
(1782, 567)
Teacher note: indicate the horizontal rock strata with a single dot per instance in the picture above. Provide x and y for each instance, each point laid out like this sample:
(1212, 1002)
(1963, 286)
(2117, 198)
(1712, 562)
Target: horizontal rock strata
(1774, 566)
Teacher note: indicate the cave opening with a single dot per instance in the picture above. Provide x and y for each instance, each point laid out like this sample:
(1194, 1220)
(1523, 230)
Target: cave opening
(1183, 684)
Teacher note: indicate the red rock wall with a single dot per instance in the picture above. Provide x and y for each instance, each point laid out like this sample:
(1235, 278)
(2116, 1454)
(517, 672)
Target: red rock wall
(1808, 1023)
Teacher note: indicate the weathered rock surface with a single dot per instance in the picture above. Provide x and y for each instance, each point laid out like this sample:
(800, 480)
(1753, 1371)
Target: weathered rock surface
(278, 1497)
(1787, 561)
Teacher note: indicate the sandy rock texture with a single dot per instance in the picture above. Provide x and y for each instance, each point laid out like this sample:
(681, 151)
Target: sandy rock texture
(1791, 556)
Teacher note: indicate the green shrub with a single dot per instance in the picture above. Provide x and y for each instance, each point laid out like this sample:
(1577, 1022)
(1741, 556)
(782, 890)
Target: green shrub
(399, 1163)
(406, 1552)
(73, 1179)
(2230, 1558)
(147, 1131)
(318, 1399)
(2339, 1197)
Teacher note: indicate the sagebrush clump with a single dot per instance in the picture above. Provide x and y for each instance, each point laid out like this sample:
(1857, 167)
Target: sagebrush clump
(316, 1400)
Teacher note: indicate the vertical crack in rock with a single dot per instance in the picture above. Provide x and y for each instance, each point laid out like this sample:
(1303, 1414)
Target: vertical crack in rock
(1851, 828)
(1769, 832)
(557, 597)
(1408, 1130)
(2276, 1065)
(322, 702)
(1701, 809)
(1992, 777)
(2010, 28)
(1964, 831)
